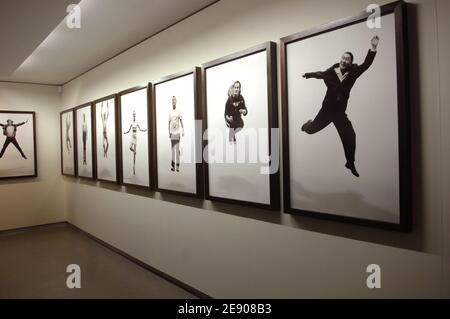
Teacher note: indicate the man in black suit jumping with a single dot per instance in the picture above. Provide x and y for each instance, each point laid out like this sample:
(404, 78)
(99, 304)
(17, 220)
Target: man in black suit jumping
(339, 80)
(10, 130)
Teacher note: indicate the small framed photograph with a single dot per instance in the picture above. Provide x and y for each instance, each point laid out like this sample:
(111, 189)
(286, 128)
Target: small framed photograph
(346, 121)
(177, 131)
(240, 122)
(17, 144)
(106, 141)
(68, 144)
(134, 137)
(85, 123)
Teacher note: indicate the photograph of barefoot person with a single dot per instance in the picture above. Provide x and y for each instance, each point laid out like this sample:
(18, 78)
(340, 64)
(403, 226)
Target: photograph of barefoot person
(67, 142)
(85, 151)
(106, 146)
(134, 135)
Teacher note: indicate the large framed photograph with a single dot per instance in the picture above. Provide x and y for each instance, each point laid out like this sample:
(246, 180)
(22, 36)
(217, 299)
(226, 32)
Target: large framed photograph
(134, 132)
(240, 122)
(106, 141)
(68, 144)
(346, 121)
(177, 143)
(85, 123)
(18, 144)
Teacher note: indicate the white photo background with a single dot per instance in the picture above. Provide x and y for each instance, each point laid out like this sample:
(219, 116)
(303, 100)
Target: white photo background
(12, 164)
(183, 90)
(68, 145)
(105, 121)
(239, 181)
(135, 173)
(84, 142)
(319, 180)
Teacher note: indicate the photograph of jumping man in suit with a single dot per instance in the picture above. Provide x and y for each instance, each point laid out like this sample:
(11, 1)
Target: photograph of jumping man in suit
(356, 170)
(17, 144)
(340, 79)
(10, 130)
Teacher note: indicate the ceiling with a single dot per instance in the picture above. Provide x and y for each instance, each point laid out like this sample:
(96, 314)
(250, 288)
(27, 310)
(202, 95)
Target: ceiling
(38, 47)
(24, 24)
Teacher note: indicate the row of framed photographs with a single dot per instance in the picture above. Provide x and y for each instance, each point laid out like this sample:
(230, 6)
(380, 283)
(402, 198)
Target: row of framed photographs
(154, 136)
(212, 132)
(112, 140)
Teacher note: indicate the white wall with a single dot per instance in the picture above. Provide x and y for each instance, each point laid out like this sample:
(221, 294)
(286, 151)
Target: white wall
(34, 201)
(232, 251)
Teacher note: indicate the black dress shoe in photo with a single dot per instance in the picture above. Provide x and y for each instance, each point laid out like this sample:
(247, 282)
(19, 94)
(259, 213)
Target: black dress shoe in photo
(305, 125)
(352, 168)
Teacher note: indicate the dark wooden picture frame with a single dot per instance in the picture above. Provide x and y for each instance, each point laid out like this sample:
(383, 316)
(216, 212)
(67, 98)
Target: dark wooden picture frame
(120, 139)
(33, 114)
(272, 101)
(405, 219)
(118, 161)
(74, 147)
(92, 135)
(196, 72)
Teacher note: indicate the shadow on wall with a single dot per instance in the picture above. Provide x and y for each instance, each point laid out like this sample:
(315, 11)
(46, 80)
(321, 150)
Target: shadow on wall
(339, 201)
(413, 240)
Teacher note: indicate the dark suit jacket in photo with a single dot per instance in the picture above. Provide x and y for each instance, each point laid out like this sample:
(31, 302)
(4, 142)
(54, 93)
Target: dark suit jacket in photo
(338, 92)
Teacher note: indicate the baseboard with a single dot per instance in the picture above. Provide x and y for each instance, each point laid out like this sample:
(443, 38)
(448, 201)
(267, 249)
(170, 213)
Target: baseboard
(28, 228)
(142, 264)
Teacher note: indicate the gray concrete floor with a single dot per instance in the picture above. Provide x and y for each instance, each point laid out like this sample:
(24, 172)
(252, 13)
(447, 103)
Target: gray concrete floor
(33, 265)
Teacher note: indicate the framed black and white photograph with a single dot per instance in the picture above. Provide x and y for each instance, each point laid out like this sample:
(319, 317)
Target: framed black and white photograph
(346, 121)
(134, 138)
(17, 144)
(239, 118)
(106, 142)
(176, 115)
(85, 141)
(68, 149)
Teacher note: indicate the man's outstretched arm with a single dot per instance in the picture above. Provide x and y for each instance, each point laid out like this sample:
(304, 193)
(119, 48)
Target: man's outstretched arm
(370, 55)
(314, 75)
(20, 124)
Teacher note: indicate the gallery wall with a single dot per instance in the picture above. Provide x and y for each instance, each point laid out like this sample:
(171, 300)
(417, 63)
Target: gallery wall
(232, 251)
(443, 9)
(34, 201)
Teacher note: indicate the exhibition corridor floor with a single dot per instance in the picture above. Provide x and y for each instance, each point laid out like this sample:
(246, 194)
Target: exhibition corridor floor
(33, 264)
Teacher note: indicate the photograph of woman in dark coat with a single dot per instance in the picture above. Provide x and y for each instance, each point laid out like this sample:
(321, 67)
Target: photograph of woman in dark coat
(234, 109)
